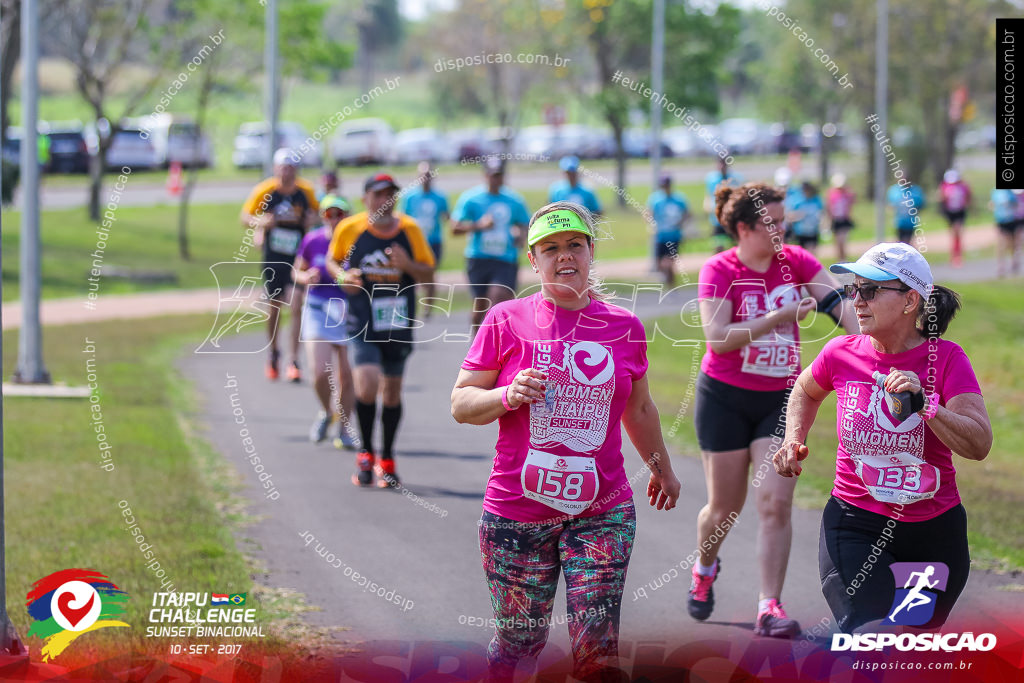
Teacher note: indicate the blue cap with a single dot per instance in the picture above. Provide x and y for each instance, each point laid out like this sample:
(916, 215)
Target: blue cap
(569, 163)
(892, 261)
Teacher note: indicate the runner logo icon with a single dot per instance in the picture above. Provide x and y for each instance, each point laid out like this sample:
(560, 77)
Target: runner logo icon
(917, 586)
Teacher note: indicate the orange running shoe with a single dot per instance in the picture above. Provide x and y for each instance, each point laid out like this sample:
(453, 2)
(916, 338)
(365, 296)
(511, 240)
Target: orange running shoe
(294, 374)
(271, 370)
(364, 471)
(386, 477)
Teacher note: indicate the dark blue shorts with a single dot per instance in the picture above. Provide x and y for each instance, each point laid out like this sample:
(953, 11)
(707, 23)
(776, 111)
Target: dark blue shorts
(484, 272)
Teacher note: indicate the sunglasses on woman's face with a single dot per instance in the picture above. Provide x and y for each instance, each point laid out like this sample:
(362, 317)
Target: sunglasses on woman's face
(867, 292)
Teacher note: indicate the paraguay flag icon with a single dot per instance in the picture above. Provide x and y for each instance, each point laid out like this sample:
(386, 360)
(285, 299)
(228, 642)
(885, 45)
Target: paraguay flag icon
(68, 603)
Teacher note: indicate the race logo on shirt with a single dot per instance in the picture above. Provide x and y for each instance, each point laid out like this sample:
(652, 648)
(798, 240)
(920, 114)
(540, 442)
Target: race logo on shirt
(581, 384)
(868, 427)
(889, 454)
(376, 268)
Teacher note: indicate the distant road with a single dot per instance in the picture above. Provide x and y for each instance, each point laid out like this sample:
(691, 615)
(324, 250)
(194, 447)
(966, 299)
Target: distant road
(520, 177)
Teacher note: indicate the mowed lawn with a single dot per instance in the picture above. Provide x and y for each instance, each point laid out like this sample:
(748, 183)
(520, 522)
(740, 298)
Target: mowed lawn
(64, 510)
(990, 328)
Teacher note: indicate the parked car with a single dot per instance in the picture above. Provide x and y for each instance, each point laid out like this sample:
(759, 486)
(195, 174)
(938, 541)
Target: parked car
(782, 138)
(418, 144)
(810, 137)
(498, 140)
(705, 138)
(176, 139)
(637, 142)
(681, 140)
(579, 140)
(12, 146)
(69, 152)
(536, 142)
(743, 136)
(465, 143)
(250, 145)
(129, 147)
(362, 141)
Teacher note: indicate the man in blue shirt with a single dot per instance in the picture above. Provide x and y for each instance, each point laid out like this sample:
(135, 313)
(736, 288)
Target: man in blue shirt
(669, 211)
(571, 190)
(711, 183)
(496, 219)
(429, 208)
(1007, 211)
(907, 200)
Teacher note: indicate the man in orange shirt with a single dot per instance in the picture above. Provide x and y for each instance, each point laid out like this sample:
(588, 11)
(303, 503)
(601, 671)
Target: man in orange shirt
(378, 257)
(279, 210)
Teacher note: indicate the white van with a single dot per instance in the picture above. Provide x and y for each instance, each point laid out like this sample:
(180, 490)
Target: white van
(362, 141)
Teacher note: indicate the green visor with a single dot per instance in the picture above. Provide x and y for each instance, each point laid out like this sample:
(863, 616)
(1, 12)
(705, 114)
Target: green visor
(332, 201)
(562, 220)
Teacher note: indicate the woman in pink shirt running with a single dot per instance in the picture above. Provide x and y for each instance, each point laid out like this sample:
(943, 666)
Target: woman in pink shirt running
(561, 370)
(895, 500)
(751, 299)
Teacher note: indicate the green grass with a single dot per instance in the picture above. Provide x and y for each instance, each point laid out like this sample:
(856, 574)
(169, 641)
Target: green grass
(143, 238)
(62, 508)
(989, 328)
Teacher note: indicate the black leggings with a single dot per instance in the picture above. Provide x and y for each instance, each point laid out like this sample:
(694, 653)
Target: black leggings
(856, 548)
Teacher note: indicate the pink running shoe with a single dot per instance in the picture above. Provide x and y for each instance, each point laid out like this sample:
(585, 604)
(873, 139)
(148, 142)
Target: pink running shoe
(702, 599)
(774, 622)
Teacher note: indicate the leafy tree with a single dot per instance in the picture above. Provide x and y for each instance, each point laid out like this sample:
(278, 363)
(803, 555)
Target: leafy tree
(935, 47)
(100, 38)
(379, 27)
(619, 35)
(487, 77)
(305, 50)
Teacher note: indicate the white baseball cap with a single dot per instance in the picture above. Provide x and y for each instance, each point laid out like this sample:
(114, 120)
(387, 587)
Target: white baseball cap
(286, 156)
(892, 261)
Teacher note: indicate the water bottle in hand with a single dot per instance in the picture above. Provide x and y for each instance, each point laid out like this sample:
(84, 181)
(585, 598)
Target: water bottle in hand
(902, 404)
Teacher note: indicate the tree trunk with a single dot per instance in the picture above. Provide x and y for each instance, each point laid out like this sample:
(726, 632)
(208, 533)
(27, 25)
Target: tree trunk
(952, 128)
(205, 88)
(186, 195)
(620, 161)
(869, 175)
(824, 150)
(11, 37)
(364, 56)
(97, 166)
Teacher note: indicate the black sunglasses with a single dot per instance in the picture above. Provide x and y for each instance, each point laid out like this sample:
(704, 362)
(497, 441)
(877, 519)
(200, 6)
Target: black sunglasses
(867, 292)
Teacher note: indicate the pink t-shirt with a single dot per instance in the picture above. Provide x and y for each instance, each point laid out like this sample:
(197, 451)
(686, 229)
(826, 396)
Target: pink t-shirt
(770, 362)
(562, 457)
(893, 481)
(840, 202)
(955, 196)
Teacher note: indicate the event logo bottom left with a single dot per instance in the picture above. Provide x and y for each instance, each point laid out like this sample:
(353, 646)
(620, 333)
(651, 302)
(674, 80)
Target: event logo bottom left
(72, 602)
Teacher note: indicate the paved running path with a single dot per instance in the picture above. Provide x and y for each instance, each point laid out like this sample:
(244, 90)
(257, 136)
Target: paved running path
(430, 555)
